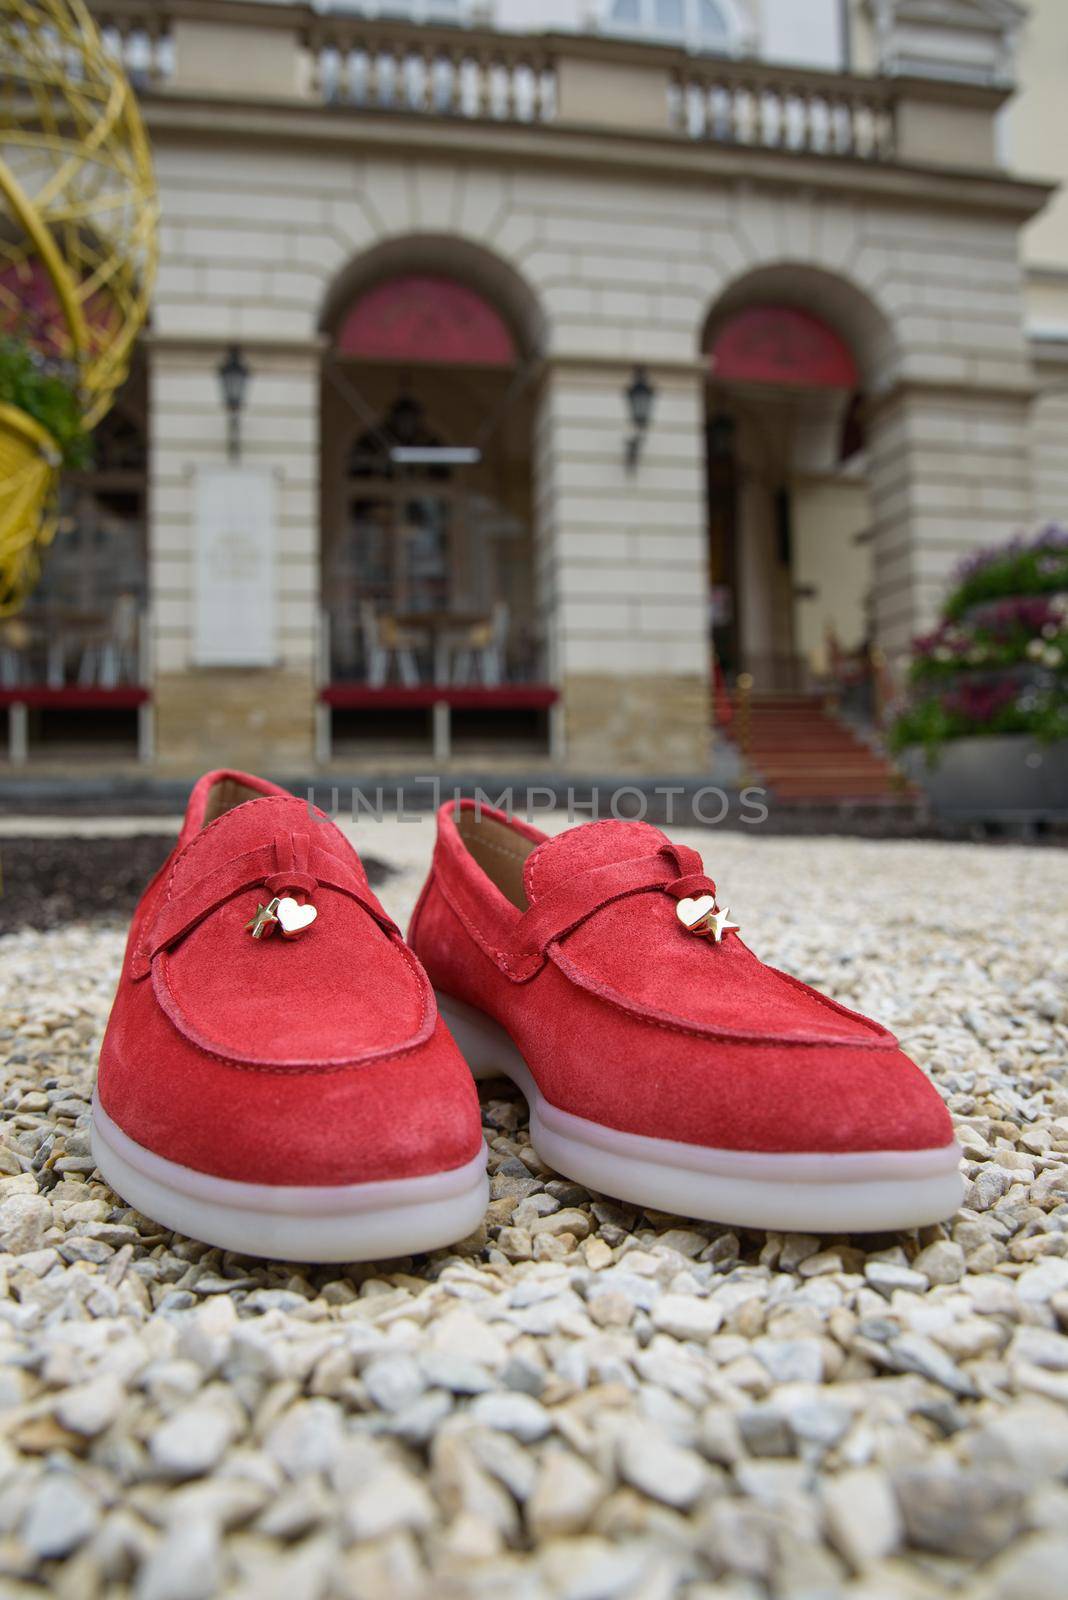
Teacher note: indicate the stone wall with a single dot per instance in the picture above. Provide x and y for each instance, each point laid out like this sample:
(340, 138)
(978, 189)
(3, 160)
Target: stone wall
(280, 428)
(259, 719)
(950, 472)
(624, 575)
(638, 723)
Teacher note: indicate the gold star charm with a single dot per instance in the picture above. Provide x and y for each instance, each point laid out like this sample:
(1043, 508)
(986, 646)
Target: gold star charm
(719, 923)
(264, 922)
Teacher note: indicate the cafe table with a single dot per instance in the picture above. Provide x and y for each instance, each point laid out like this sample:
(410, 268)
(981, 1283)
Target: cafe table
(440, 627)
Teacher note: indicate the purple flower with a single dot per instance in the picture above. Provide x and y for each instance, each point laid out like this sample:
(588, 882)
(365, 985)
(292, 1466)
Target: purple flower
(1021, 614)
(978, 702)
(1048, 543)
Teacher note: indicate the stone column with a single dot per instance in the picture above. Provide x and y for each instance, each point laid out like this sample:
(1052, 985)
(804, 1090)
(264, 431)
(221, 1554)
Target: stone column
(1049, 430)
(950, 473)
(256, 717)
(622, 569)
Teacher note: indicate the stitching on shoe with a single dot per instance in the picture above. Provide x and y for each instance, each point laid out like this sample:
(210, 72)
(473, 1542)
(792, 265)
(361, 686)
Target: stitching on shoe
(305, 1069)
(876, 1028)
(620, 1002)
(413, 925)
(500, 958)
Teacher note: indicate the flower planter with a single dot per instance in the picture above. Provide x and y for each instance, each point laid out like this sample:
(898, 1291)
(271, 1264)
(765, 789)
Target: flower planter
(995, 777)
(988, 687)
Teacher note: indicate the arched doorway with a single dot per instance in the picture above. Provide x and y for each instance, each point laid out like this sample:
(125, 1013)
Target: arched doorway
(788, 508)
(428, 581)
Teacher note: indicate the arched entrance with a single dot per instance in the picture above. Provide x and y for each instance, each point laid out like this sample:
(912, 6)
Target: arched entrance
(429, 600)
(789, 353)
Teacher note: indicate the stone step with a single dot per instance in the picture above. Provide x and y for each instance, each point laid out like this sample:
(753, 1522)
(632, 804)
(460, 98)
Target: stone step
(802, 752)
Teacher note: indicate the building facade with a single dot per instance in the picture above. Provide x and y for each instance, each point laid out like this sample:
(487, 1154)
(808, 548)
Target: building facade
(583, 343)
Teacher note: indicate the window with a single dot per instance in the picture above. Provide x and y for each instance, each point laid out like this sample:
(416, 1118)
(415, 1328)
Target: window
(669, 18)
(698, 24)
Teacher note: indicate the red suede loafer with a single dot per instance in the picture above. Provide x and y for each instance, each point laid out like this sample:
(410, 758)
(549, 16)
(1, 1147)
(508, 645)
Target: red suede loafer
(663, 1062)
(275, 1078)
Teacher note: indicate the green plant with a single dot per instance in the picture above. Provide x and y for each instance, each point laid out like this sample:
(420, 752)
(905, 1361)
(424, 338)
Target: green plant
(933, 721)
(28, 384)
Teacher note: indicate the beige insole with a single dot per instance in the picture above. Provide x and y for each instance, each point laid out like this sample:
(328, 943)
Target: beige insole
(499, 851)
(225, 795)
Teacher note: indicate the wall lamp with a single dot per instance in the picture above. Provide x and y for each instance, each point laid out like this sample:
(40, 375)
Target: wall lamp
(234, 374)
(639, 395)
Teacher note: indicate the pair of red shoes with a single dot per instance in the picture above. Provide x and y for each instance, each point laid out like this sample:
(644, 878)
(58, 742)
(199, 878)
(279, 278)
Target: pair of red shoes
(279, 1077)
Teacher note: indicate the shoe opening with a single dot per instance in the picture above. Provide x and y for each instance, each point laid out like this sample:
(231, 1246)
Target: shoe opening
(224, 795)
(500, 851)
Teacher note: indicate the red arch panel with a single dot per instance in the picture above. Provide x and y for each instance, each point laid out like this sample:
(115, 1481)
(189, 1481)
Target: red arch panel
(427, 319)
(785, 346)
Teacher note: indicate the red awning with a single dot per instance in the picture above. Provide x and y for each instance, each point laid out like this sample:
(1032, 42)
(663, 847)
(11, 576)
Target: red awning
(429, 320)
(782, 345)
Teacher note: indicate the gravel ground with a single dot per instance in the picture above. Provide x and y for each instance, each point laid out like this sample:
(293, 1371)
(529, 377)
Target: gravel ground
(583, 1400)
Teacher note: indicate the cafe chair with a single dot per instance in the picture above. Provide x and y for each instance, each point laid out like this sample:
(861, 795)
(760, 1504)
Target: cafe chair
(385, 642)
(109, 654)
(481, 653)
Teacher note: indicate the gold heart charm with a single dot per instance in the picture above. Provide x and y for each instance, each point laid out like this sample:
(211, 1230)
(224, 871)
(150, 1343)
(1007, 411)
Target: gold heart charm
(694, 914)
(294, 918)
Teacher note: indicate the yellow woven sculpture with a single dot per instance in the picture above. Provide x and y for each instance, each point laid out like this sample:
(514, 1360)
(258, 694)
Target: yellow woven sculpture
(77, 244)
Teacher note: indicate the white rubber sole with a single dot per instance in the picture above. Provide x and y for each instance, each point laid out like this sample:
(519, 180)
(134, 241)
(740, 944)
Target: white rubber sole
(285, 1222)
(869, 1192)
